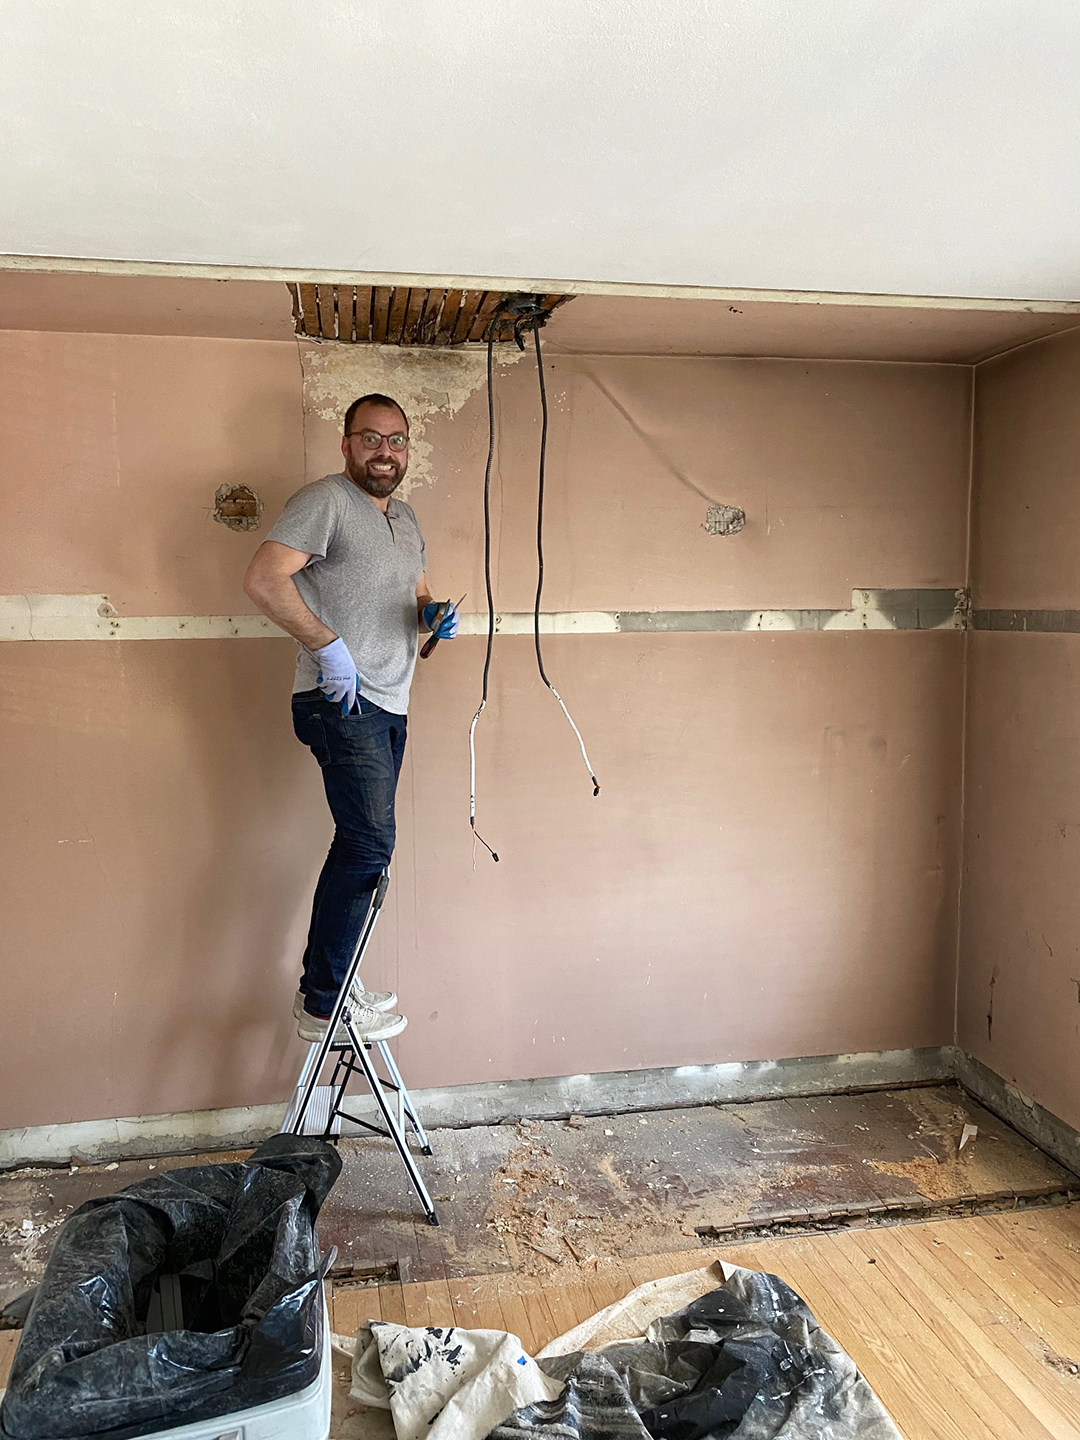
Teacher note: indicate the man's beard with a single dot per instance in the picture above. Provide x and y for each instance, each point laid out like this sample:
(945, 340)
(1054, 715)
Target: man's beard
(378, 486)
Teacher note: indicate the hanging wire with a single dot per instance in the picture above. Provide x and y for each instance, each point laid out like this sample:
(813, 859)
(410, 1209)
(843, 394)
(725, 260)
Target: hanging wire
(490, 600)
(523, 315)
(540, 550)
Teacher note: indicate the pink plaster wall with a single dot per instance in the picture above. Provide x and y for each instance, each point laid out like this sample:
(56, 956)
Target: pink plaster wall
(113, 446)
(1020, 950)
(850, 474)
(770, 871)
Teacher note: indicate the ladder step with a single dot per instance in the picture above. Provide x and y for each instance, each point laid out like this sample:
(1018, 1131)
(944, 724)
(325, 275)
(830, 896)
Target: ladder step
(318, 1113)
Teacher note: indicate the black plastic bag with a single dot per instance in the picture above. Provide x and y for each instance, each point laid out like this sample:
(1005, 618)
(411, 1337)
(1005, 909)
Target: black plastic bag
(241, 1240)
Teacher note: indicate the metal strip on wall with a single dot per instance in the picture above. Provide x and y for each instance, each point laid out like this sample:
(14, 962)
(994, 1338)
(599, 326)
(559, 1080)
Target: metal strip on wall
(93, 617)
(1039, 622)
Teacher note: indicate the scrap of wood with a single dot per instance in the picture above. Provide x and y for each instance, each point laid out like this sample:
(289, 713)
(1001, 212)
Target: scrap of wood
(577, 1253)
(376, 1273)
(970, 1131)
(548, 1254)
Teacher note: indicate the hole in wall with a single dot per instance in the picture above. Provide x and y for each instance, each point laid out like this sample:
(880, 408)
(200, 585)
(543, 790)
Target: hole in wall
(724, 520)
(238, 507)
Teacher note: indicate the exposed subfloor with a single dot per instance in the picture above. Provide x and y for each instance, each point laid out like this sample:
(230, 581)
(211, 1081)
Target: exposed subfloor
(544, 1198)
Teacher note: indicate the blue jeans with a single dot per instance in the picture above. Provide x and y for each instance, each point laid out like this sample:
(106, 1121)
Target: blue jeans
(360, 756)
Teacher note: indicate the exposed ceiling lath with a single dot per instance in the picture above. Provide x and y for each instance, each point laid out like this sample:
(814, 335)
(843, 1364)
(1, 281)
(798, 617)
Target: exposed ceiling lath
(400, 315)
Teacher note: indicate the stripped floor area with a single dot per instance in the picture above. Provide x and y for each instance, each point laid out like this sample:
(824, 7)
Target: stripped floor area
(550, 1199)
(537, 1197)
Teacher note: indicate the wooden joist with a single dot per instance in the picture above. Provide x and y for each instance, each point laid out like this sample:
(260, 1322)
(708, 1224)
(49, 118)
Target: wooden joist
(401, 315)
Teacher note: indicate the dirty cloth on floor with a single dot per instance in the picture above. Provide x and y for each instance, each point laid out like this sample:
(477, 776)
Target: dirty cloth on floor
(446, 1384)
(744, 1361)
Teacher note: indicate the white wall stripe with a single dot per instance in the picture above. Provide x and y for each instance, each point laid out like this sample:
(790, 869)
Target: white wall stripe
(93, 617)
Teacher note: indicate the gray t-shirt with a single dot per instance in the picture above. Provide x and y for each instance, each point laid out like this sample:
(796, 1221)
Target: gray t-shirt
(360, 581)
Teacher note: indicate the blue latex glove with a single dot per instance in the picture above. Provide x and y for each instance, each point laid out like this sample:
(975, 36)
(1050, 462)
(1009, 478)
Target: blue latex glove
(448, 626)
(337, 677)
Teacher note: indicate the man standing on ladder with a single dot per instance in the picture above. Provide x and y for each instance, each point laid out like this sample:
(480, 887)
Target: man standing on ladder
(342, 572)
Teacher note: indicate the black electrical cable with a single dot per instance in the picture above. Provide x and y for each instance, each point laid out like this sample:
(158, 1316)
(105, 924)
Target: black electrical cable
(535, 314)
(490, 595)
(540, 551)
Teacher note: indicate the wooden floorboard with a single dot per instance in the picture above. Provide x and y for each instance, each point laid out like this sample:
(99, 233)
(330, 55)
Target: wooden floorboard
(966, 1329)
(958, 1343)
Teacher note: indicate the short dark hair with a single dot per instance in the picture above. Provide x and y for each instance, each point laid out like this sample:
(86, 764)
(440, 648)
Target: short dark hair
(384, 400)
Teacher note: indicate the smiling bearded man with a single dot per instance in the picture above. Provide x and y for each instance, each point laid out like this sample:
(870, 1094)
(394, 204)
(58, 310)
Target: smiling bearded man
(343, 573)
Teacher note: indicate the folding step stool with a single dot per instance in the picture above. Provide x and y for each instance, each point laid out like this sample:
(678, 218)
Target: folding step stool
(318, 1109)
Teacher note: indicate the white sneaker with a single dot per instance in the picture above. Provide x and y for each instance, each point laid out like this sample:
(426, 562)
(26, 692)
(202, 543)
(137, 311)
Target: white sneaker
(370, 1025)
(373, 999)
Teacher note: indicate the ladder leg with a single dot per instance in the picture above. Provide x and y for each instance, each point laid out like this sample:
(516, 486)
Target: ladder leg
(390, 1120)
(343, 1068)
(309, 1078)
(404, 1098)
(294, 1103)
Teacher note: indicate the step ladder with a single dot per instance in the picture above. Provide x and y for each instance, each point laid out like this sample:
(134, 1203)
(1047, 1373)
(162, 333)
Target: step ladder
(319, 1109)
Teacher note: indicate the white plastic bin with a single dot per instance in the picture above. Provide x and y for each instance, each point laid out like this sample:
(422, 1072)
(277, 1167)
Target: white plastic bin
(303, 1416)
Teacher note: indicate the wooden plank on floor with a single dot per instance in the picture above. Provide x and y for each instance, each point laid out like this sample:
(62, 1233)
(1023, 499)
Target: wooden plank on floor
(1018, 1359)
(954, 1352)
(642, 1268)
(610, 1281)
(487, 1304)
(414, 1297)
(522, 1316)
(567, 1306)
(1058, 1268)
(392, 1303)
(9, 1342)
(963, 1358)
(1058, 1324)
(956, 1390)
(352, 1306)
(440, 1303)
(994, 1388)
(908, 1389)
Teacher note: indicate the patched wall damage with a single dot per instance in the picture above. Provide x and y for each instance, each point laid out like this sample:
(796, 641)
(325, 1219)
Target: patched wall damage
(425, 382)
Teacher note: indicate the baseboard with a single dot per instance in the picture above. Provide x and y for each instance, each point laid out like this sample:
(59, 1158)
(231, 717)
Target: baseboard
(1031, 1119)
(675, 1086)
(189, 1132)
(138, 1137)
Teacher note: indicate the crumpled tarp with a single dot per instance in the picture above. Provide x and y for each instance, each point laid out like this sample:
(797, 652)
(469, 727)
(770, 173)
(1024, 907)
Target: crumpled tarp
(241, 1239)
(744, 1361)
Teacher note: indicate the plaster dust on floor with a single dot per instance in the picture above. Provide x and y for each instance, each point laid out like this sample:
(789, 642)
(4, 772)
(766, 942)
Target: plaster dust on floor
(536, 1207)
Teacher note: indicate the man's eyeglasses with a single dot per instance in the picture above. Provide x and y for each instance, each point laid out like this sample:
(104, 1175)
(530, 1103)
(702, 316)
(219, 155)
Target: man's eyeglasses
(371, 439)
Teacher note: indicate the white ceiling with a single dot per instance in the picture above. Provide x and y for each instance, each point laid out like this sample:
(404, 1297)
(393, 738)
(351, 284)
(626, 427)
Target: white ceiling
(925, 147)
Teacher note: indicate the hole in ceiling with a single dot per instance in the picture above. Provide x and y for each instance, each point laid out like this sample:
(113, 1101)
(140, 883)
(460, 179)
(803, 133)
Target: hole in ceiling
(402, 315)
